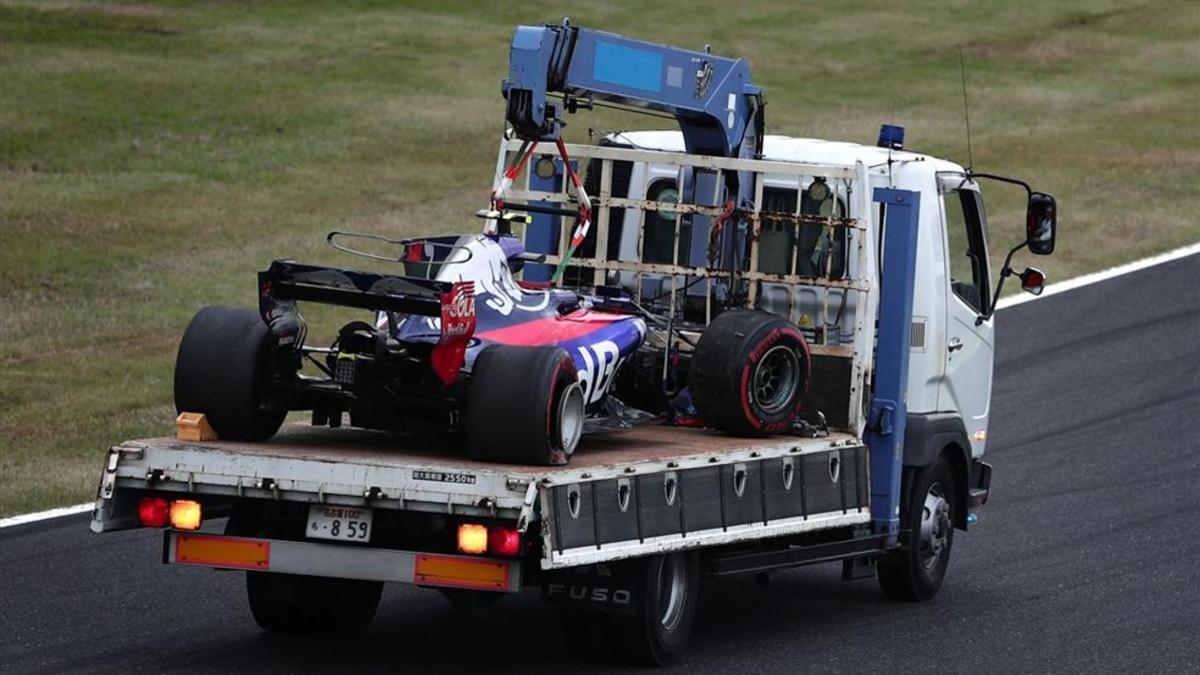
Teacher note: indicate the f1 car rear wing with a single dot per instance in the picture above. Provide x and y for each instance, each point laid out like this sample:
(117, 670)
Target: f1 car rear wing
(284, 283)
(294, 281)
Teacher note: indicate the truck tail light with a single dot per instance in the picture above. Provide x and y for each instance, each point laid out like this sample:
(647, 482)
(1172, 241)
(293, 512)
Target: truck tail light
(504, 541)
(472, 538)
(153, 512)
(186, 514)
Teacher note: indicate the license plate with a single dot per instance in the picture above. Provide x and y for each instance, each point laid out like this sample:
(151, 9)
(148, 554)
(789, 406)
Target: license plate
(343, 523)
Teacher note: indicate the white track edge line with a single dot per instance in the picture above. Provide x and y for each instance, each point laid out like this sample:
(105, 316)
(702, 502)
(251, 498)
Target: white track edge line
(1052, 289)
(46, 515)
(1102, 275)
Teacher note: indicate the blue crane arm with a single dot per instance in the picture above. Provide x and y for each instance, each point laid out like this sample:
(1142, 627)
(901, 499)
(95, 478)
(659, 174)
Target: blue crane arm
(718, 109)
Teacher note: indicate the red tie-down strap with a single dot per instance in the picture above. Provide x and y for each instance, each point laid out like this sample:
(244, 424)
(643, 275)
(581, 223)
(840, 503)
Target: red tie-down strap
(585, 213)
(585, 205)
(506, 181)
(458, 325)
(714, 234)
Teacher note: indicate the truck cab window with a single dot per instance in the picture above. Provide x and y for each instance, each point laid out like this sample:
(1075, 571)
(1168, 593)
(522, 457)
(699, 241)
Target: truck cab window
(966, 246)
(777, 241)
(818, 246)
(658, 227)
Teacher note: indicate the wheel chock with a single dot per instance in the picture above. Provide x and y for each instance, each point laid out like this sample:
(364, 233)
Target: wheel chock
(190, 426)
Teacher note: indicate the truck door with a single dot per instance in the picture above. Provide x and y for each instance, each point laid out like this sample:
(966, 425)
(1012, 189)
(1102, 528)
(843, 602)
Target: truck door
(967, 386)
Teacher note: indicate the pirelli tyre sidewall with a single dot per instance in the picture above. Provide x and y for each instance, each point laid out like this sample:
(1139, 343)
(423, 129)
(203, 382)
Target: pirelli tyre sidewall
(514, 408)
(750, 373)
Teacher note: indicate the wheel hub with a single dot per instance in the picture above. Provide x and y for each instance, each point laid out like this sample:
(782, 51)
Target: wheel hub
(935, 526)
(775, 379)
(672, 589)
(570, 418)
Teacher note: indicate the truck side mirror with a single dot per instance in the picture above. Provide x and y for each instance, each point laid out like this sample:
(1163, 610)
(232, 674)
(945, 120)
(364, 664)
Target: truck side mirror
(1041, 216)
(1033, 280)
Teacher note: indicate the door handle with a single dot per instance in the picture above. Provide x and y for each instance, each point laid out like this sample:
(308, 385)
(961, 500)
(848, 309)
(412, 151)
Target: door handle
(955, 344)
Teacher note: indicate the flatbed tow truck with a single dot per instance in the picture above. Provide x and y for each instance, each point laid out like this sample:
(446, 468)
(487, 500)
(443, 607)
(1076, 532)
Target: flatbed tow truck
(885, 465)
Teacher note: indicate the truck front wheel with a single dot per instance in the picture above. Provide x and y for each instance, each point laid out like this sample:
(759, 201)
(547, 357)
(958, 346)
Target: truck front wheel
(290, 603)
(915, 571)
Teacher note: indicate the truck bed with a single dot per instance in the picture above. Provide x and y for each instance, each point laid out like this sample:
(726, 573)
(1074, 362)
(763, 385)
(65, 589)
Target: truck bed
(646, 445)
(733, 486)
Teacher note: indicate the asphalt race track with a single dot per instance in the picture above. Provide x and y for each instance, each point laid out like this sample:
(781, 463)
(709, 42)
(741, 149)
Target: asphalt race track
(1086, 558)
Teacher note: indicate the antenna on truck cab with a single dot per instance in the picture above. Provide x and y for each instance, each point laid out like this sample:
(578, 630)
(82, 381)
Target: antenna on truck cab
(962, 71)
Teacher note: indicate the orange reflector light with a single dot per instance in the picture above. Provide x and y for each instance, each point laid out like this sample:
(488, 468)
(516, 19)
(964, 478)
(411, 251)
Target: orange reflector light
(152, 512)
(216, 551)
(472, 538)
(504, 541)
(185, 514)
(461, 572)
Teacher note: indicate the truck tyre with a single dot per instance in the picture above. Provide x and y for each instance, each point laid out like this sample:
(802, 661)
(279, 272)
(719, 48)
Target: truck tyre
(524, 406)
(750, 373)
(915, 571)
(221, 369)
(299, 605)
(668, 587)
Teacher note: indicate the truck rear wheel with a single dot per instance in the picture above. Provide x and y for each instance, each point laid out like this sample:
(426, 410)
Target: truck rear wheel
(221, 370)
(916, 571)
(524, 406)
(659, 633)
(656, 633)
(290, 603)
(750, 373)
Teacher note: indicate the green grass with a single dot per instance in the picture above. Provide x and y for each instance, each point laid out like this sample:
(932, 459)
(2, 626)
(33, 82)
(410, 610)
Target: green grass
(154, 156)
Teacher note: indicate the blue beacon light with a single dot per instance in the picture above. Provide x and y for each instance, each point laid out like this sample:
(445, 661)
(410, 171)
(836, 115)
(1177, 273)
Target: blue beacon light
(891, 136)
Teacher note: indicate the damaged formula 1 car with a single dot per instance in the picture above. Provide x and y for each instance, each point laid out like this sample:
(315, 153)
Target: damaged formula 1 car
(456, 342)
(521, 369)
(459, 344)
(698, 319)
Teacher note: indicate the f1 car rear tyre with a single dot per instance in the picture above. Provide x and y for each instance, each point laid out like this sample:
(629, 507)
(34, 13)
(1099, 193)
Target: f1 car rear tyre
(290, 603)
(221, 369)
(750, 373)
(524, 405)
(916, 570)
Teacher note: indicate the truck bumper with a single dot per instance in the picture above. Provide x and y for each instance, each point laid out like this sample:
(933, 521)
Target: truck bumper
(341, 561)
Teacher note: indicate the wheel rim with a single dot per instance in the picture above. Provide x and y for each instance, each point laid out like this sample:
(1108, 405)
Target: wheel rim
(672, 591)
(775, 379)
(935, 526)
(570, 418)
